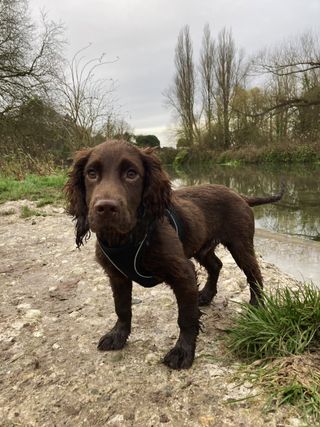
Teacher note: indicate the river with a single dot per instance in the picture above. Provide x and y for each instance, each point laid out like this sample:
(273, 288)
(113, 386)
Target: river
(287, 233)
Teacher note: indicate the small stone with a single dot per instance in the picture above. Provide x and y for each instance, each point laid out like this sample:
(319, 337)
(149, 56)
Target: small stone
(24, 306)
(18, 325)
(33, 314)
(38, 334)
(74, 314)
(206, 421)
(56, 346)
(117, 357)
(295, 422)
(216, 372)
(164, 418)
(151, 358)
(117, 419)
(247, 384)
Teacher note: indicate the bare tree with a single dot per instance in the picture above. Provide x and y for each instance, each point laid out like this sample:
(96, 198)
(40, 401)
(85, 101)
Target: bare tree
(207, 77)
(181, 95)
(298, 55)
(29, 54)
(116, 127)
(86, 100)
(229, 73)
(299, 58)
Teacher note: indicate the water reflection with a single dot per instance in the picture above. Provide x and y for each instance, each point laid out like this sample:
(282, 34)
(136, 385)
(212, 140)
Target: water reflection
(296, 214)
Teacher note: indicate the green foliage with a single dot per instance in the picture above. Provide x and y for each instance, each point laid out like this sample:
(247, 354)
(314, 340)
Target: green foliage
(292, 380)
(26, 212)
(147, 141)
(167, 155)
(36, 132)
(181, 157)
(288, 323)
(282, 153)
(44, 189)
(282, 338)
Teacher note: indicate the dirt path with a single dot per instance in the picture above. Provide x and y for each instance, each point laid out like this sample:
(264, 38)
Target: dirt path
(55, 304)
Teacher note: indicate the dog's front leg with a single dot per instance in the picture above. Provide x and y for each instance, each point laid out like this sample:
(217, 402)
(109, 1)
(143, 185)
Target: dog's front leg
(116, 338)
(186, 291)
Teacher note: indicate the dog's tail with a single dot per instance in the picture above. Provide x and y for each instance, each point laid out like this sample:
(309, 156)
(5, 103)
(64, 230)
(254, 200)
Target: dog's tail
(256, 201)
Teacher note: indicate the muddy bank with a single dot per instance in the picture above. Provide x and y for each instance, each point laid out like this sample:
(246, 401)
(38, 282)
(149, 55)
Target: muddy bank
(55, 305)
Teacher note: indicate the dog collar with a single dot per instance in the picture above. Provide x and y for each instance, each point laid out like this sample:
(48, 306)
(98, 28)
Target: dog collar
(128, 258)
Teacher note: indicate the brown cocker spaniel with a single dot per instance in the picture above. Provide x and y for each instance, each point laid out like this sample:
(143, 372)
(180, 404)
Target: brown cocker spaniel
(147, 233)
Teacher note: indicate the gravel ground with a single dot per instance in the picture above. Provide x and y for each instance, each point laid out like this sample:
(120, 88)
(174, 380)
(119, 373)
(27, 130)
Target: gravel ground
(55, 305)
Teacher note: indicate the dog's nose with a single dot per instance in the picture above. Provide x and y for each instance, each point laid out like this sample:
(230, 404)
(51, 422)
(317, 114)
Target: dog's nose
(106, 207)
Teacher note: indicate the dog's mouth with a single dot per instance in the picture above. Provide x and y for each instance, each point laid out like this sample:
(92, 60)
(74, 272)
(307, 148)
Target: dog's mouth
(112, 230)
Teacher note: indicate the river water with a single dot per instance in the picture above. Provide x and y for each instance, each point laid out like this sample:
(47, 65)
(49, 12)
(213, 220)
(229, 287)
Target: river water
(288, 233)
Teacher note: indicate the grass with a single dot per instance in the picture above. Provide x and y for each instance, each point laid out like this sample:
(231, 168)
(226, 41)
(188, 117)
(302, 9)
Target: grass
(281, 339)
(26, 212)
(44, 189)
(292, 380)
(288, 323)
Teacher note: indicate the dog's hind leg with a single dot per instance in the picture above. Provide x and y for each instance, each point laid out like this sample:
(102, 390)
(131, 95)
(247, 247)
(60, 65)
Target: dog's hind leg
(213, 265)
(245, 258)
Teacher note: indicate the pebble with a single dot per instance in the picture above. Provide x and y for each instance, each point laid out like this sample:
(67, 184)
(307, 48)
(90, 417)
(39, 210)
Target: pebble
(206, 420)
(74, 314)
(216, 372)
(56, 346)
(294, 422)
(117, 419)
(24, 306)
(33, 314)
(151, 358)
(247, 384)
(18, 325)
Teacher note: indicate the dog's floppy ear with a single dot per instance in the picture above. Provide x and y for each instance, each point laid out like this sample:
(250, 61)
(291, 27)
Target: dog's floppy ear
(157, 187)
(76, 196)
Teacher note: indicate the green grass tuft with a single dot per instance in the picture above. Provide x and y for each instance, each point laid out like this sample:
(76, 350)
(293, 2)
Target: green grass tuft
(26, 212)
(288, 323)
(44, 189)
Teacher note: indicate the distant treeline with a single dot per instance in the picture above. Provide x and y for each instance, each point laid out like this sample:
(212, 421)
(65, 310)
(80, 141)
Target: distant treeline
(218, 107)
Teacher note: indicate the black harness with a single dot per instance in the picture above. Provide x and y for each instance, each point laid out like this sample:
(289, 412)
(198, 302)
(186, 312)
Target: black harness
(128, 258)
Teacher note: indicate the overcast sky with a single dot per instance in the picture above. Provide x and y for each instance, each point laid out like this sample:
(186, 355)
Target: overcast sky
(143, 34)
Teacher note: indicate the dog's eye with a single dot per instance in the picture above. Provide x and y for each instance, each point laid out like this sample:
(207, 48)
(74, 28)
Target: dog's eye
(91, 174)
(131, 174)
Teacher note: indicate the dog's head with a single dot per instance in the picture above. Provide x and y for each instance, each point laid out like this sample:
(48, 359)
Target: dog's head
(112, 185)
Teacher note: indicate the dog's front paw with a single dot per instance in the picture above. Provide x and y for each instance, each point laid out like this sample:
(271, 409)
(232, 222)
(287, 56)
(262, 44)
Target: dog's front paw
(112, 341)
(179, 358)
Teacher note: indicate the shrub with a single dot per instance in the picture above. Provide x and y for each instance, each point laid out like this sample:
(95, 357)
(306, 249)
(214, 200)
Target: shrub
(288, 323)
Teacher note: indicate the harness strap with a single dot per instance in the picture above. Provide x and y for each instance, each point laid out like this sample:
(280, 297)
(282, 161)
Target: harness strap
(127, 259)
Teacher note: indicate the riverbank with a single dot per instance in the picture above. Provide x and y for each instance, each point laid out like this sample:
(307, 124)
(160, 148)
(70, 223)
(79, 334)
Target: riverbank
(56, 305)
(280, 153)
(295, 256)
